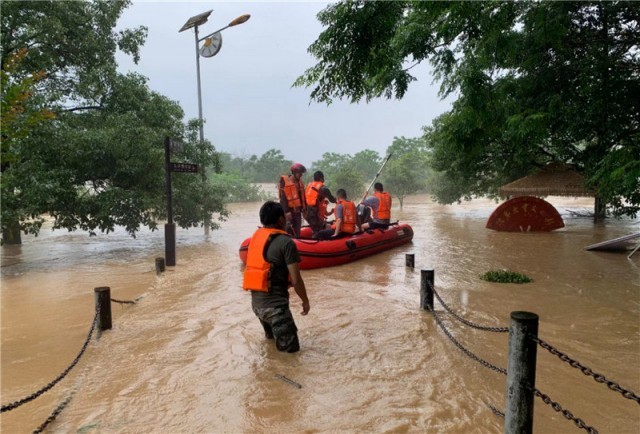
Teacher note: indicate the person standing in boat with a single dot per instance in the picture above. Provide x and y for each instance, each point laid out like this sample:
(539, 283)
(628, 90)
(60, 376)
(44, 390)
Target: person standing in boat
(292, 200)
(346, 219)
(272, 267)
(375, 211)
(315, 194)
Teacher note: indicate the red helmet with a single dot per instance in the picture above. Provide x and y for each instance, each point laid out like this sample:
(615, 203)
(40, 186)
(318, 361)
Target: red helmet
(297, 167)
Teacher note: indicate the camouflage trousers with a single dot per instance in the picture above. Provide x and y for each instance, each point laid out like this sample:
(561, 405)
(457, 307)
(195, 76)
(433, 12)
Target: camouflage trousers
(278, 324)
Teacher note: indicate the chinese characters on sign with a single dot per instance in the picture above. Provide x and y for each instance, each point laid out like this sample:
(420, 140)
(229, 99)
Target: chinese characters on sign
(184, 167)
(525, 214)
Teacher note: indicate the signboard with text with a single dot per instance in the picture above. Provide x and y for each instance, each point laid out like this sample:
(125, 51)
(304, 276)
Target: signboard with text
(184, 167)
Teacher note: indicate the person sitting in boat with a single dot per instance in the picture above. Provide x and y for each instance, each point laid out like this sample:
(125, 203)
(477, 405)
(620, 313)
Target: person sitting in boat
(292, 200)
(375, 211)
(346, 220)
(315, 194)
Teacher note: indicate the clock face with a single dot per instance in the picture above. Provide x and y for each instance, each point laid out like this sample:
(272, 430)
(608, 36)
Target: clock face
(211, 45)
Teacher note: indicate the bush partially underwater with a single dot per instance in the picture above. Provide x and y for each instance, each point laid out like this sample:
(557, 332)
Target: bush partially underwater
(505, 276)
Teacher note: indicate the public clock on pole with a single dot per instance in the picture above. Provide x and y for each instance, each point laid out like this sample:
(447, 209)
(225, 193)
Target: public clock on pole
(211, 45)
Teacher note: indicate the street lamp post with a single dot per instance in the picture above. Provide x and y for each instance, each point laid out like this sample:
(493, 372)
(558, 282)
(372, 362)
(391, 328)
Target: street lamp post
(211, 47)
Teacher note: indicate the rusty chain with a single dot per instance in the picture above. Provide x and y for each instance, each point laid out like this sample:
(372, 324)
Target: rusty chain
(54, 414)
(566, 413)
(64, 373)
(467, 322)
(465, 350)
(599, 378)
(494, 409)
(123, 301)
(134, 301)
(545, 398)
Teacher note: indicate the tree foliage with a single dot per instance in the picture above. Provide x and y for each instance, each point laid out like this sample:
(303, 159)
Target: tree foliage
(346, 171)
(536, 82)
(407, 171)
(266, 168)
(99, 163)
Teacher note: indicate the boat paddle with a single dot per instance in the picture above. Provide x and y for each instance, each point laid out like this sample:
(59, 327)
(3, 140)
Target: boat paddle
(376, 177)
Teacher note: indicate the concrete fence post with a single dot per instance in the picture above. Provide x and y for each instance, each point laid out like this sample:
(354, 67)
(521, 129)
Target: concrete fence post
(410, 260)
(160, 267)
(521, 373)
(427, 279)
(103, 302)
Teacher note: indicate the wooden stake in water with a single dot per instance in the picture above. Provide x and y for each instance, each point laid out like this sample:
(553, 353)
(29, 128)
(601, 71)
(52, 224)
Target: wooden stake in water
(288, 381)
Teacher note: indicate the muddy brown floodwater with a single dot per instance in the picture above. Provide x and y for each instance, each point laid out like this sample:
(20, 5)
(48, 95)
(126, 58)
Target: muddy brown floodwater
(191, 357)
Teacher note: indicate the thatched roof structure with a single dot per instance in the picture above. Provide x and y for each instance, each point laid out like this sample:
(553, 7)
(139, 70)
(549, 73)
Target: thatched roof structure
(555, 179)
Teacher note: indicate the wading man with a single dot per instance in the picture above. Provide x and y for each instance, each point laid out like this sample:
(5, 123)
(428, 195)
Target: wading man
(272, 267)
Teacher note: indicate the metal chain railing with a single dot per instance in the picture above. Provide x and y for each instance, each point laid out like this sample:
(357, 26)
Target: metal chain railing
(134, 301)
(599, 378)
(566, 413)
(465, 321)
(494, 409)
(64, 373)
(465, 350)
(54, 414)
(545, 398)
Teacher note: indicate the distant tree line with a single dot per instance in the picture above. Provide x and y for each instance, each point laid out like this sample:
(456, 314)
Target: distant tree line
(407, 171)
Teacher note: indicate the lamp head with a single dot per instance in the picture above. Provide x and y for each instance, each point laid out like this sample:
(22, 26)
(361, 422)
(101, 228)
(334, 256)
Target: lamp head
(241, 19)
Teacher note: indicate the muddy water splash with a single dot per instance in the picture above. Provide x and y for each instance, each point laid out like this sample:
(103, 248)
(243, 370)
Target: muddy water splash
(191, 357)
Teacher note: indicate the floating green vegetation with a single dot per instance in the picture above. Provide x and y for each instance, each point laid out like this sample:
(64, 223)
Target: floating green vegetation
(504, 276)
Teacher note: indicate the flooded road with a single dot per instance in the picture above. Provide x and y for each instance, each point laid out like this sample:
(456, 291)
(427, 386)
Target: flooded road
(191, 357)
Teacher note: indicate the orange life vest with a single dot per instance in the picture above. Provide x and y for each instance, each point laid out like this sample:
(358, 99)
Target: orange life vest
(312, 191)
(292, 190)
(258, 272)
(384, 210)
(348, 216)
(322, 209)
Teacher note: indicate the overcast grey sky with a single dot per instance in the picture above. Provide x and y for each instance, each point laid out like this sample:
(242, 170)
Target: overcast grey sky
(249, 105)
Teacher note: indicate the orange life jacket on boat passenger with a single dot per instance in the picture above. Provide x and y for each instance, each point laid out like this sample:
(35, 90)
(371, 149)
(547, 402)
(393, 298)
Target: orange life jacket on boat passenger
(322, 209)
(312, 191)
(384, 210)
(348, 216)
(258, 272)
(293, 190)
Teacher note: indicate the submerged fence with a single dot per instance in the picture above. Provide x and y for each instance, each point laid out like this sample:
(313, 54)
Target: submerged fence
(520, 373)
(101, 321)
(523, 342)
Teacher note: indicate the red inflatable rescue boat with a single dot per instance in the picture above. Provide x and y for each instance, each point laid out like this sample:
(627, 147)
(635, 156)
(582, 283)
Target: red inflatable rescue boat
(327, 253)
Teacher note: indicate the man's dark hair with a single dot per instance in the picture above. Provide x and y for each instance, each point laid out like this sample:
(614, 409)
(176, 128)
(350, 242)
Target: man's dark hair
(318, 176)
(341, 193)
(270, 213)
(378, 186)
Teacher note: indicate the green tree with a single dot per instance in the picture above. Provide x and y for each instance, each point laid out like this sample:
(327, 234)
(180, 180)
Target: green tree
(407, 171)
(329, 164)
(367, 163)
(343, 171)
(350, 180)
(536, 82)
(19, 117)
(271, 165)
(240, 165)
(238, 189)
(99, 163)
